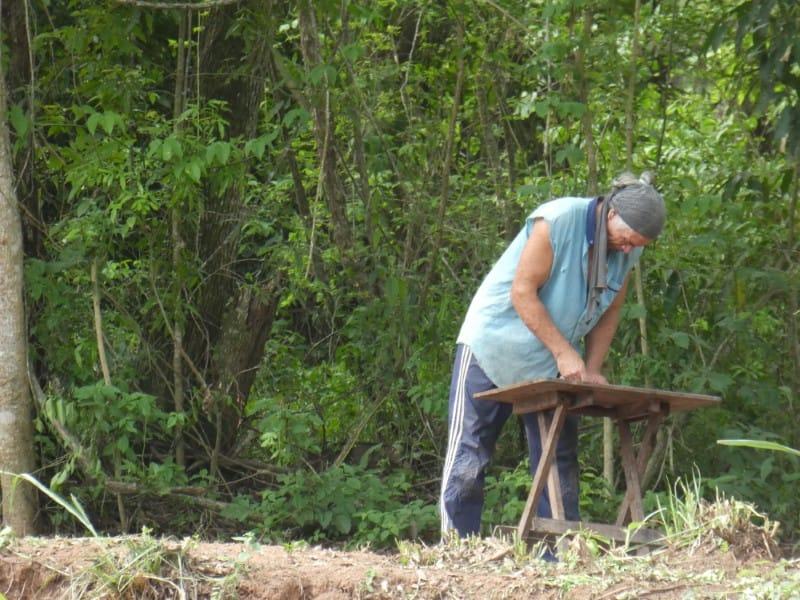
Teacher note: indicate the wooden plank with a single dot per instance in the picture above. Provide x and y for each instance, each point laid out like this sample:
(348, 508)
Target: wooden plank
(640, 410)
(541, 403)
(645, 450)
(620, 534)
(603, 394)
(542, 469)
(577, 403)
(631, 472)
(553, 479)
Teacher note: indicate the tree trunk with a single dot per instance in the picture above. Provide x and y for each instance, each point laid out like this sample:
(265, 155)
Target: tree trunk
(491, 150)
(629, 129)
(222, 295)
(324, 126)
(177, 252)
(592, 188)
(583, 88)
(16, 426)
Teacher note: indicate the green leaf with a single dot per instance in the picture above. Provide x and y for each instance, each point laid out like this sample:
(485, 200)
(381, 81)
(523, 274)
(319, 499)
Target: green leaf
(296, 114)
(108, 120)
(760, 445)
(219, 152)
(680, 338)
(719, 382)
(171, 148)
(325, 519)
(571, 154)
(573, 109)
(59, 478)
(74, 508)
(635, 311)
(18, 120)
(541, 108)
(255, 147)
(784, 123)
(322, 72)
(239, 510)
(353, 51)
(92, 122)
(342, 523)
(154, 147)
(194, 170)
(766, 468)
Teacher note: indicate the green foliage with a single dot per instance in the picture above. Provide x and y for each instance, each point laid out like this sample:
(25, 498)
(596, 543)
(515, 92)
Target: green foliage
(768, 482)
(350, 503)
(505, 496)
(333, 264)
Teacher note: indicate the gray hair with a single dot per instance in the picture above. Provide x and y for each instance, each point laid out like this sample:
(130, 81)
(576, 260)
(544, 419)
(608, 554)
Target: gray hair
(638, 204)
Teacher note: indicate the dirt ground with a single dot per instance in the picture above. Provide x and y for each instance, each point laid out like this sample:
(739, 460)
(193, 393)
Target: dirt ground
(146, 567)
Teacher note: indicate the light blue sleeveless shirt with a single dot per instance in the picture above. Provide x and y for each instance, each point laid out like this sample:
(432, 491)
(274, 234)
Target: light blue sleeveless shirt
(506, 350)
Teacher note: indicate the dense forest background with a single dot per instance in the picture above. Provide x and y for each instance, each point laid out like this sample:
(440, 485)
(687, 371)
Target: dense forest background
(251, 231)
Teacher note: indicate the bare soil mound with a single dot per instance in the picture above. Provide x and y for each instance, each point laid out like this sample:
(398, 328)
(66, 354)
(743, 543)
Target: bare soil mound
(145, 567)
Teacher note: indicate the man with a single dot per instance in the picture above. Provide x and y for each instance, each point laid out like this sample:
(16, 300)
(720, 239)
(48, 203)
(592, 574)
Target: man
(562, 281)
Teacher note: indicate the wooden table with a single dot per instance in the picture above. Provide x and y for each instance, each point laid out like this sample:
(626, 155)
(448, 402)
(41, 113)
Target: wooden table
(622, 404)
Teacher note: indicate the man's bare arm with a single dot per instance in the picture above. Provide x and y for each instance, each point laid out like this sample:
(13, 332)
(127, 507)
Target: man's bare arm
(599, 338)
(532, 273)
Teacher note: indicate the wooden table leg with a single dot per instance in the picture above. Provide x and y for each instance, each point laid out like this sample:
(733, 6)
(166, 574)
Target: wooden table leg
(645, 450)
(631, 470)
(542, 469)
(553, 479)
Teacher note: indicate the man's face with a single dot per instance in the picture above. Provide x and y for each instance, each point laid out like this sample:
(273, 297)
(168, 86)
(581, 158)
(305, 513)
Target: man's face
(620, 236)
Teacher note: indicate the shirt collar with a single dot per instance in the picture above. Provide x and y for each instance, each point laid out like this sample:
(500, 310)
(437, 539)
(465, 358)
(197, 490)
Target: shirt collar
(591, 220)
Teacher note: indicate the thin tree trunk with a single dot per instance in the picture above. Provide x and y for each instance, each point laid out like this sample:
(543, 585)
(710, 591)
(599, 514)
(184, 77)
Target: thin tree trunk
(324, 126)
(794, 343)
(637, 269)
(101, 355)
(629, 130)
(663, 439)
(583, 87)
(490, 147)
(177, 250)
(592, 188)
(448, 161)
(16, 425)
(358, 137)
(631, 95)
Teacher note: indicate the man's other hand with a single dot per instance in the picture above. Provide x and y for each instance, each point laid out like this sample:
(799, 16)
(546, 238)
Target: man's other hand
(595, 378)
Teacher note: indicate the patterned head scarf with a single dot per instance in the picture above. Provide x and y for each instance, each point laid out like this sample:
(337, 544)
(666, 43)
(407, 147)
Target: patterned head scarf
(641, 207)
(639, 204)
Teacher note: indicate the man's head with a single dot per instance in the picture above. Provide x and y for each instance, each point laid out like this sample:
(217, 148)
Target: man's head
(636, 212)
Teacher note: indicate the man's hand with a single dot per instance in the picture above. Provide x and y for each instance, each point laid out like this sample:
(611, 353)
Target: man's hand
(571, 366)
(595, 378)
(573, 369)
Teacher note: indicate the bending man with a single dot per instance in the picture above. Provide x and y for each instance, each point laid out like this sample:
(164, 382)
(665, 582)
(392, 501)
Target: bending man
(561, 282)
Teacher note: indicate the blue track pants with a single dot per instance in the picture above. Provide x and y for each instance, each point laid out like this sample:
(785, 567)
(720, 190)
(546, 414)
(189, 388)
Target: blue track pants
(474, 426)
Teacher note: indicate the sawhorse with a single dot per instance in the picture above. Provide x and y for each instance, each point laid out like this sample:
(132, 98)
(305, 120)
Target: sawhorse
(551, 400)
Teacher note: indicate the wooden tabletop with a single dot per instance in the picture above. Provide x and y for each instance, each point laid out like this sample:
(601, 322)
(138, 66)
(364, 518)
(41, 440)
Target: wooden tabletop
(604, 395)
